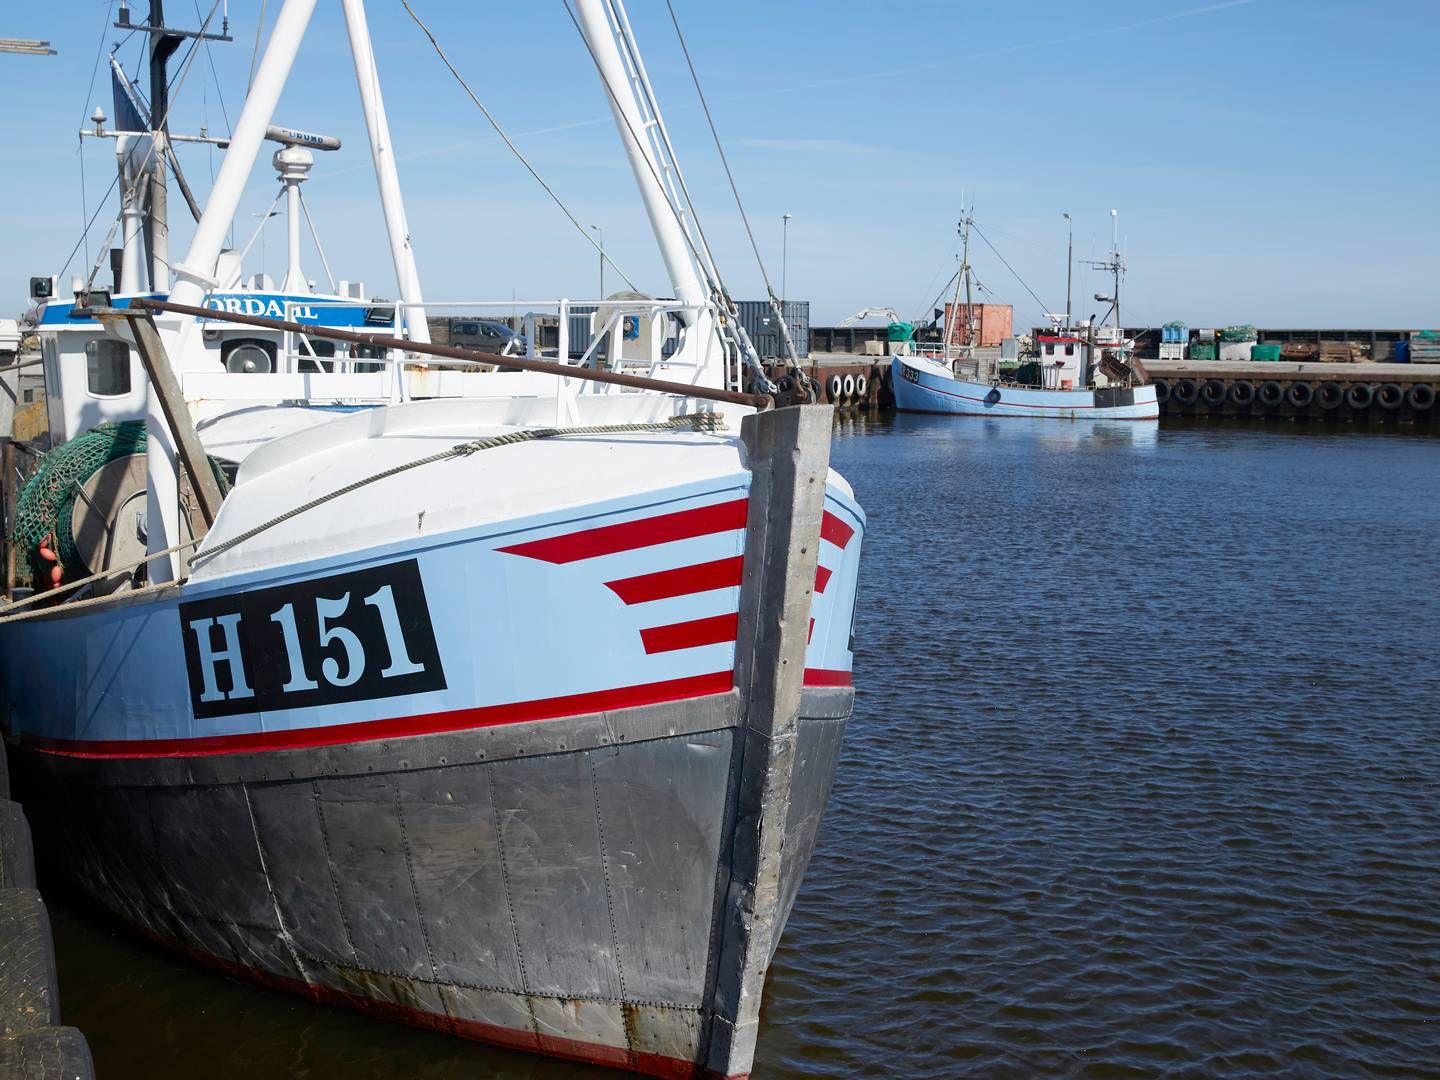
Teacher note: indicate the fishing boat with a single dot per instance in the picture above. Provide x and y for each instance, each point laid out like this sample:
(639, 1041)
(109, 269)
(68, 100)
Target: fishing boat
(504, 703)
(1088, 373)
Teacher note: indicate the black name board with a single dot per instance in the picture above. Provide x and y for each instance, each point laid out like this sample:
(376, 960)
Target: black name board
(348, 637)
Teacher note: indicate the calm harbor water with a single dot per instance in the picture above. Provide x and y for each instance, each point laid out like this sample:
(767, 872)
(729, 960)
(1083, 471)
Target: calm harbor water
(1143, 780)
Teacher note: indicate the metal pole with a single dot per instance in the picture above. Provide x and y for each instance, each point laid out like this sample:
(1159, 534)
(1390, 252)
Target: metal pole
(601, 232)
(599, 32)
(383, 151)
(1069, 265)
(784, 254)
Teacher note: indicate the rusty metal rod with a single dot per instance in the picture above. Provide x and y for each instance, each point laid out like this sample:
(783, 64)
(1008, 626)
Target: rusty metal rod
(545, 367)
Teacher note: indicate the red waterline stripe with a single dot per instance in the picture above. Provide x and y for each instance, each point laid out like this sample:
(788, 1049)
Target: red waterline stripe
(682, 581)
(559, 1046)
(827, 677)
(822, 578)
(629, 535)
(692, 634)
(835, 530)
(518, 712)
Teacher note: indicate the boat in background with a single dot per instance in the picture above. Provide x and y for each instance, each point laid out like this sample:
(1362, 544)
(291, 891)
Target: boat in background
(1074, 375)
(501, 703)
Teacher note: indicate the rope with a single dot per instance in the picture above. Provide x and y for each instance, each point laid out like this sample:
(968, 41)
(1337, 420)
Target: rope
(695, 421)
(515, 149)
(698, 421)
(1012, 270)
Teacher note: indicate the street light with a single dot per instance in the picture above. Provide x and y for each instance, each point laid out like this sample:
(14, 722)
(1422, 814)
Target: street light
(784, 254)
(1069, 265)
(601, 233)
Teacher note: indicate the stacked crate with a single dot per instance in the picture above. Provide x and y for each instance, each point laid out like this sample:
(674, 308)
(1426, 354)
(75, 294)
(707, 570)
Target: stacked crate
(1425, 347)
(1173, 338)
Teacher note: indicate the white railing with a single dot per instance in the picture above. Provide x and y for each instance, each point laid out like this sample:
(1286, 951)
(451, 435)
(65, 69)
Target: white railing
(632, 335)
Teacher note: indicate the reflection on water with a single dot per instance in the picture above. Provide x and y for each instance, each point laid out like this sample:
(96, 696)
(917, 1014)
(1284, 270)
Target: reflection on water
(1143, 780)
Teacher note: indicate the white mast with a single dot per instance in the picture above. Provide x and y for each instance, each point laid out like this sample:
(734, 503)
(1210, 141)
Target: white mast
(599, 26)
(293, 164)
(386, 175)
(196, 275)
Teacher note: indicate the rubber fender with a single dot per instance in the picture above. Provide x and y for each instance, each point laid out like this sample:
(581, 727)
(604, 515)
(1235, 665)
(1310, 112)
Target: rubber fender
(1300, 394)
(48, 1053)
(1271, 393)
(17, 853)
(860, 386)
(833, 388)
(1242, 391)
(1186, 391)
(29, 991)
(1213, 391)
(993, 396)
(1162, 390)
(1390, 396)
(849, 386)
(1420, 396)
(1331, 395)
(1360, 395)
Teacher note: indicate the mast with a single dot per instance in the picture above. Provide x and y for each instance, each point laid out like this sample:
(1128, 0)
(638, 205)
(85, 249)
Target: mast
(397, 228)
(1116, 266)
(965, 273)
(1069, 265)
(599, 28)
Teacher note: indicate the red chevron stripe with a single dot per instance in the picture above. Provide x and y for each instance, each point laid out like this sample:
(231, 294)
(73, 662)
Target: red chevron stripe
(682, 581)
(692, 634)
(835, 530)
(629, 535)
(822, 578)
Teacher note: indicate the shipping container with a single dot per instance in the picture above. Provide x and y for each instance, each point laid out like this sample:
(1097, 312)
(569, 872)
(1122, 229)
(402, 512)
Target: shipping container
(993, 323)
(758, 318)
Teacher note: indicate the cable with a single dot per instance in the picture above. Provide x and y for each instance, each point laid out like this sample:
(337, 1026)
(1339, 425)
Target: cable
(1012, 270)
(515, 149)
(255, 52)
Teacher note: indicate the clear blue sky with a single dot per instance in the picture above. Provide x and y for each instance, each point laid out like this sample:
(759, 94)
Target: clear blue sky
(1273, 161)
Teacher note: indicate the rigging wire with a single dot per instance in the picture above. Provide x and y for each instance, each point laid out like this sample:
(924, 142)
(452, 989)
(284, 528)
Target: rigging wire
(255, 52)
(440, 52)
(80, 139)
(214, 75)
(1012, 270)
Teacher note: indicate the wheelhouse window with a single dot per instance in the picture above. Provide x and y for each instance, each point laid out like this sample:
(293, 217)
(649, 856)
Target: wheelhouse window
(1069, 350)
(107, 368)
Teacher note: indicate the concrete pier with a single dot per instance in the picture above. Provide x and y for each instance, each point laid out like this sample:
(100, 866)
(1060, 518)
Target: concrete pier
(1352, 392)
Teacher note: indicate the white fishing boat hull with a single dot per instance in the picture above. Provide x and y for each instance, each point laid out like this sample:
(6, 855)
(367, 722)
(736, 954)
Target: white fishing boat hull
(459, 750)
(926, 386)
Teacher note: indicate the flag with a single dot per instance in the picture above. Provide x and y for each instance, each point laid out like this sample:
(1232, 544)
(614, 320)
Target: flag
(129, 113)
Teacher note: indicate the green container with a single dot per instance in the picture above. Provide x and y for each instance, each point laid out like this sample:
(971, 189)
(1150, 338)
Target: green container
(1264, 352)
(1202, 350)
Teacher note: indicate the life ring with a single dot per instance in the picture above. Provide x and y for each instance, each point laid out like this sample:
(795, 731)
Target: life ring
(1300, 394)
(833, 388)
(1420, 396)
(1242, 391)
(1162, 391)
(1360, 395)
(1390, 396)
(861, 385)
(1271, 393)
(1213, 391)
(849, 384)
(1186, 391)
(1331, 395)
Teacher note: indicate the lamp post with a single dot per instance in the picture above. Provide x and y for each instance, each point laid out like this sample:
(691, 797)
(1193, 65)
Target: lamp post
(601, 233)
(784, 254)
(1069, 265)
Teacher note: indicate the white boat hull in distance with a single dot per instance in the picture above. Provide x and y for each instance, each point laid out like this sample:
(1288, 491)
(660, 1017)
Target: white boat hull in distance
(927, 387)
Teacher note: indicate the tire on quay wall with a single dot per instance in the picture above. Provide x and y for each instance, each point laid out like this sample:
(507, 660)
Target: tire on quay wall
(1213, 392)
(860, 387)
(1360, 395)
(1186, 391)
(1162, 390)
(1271, 394)
(1331, 395)
(1420, 396)
(1390, 396)
(48, 1053)
(1242, 392)
(1300, 394)
(833, 386)
(848, 384)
